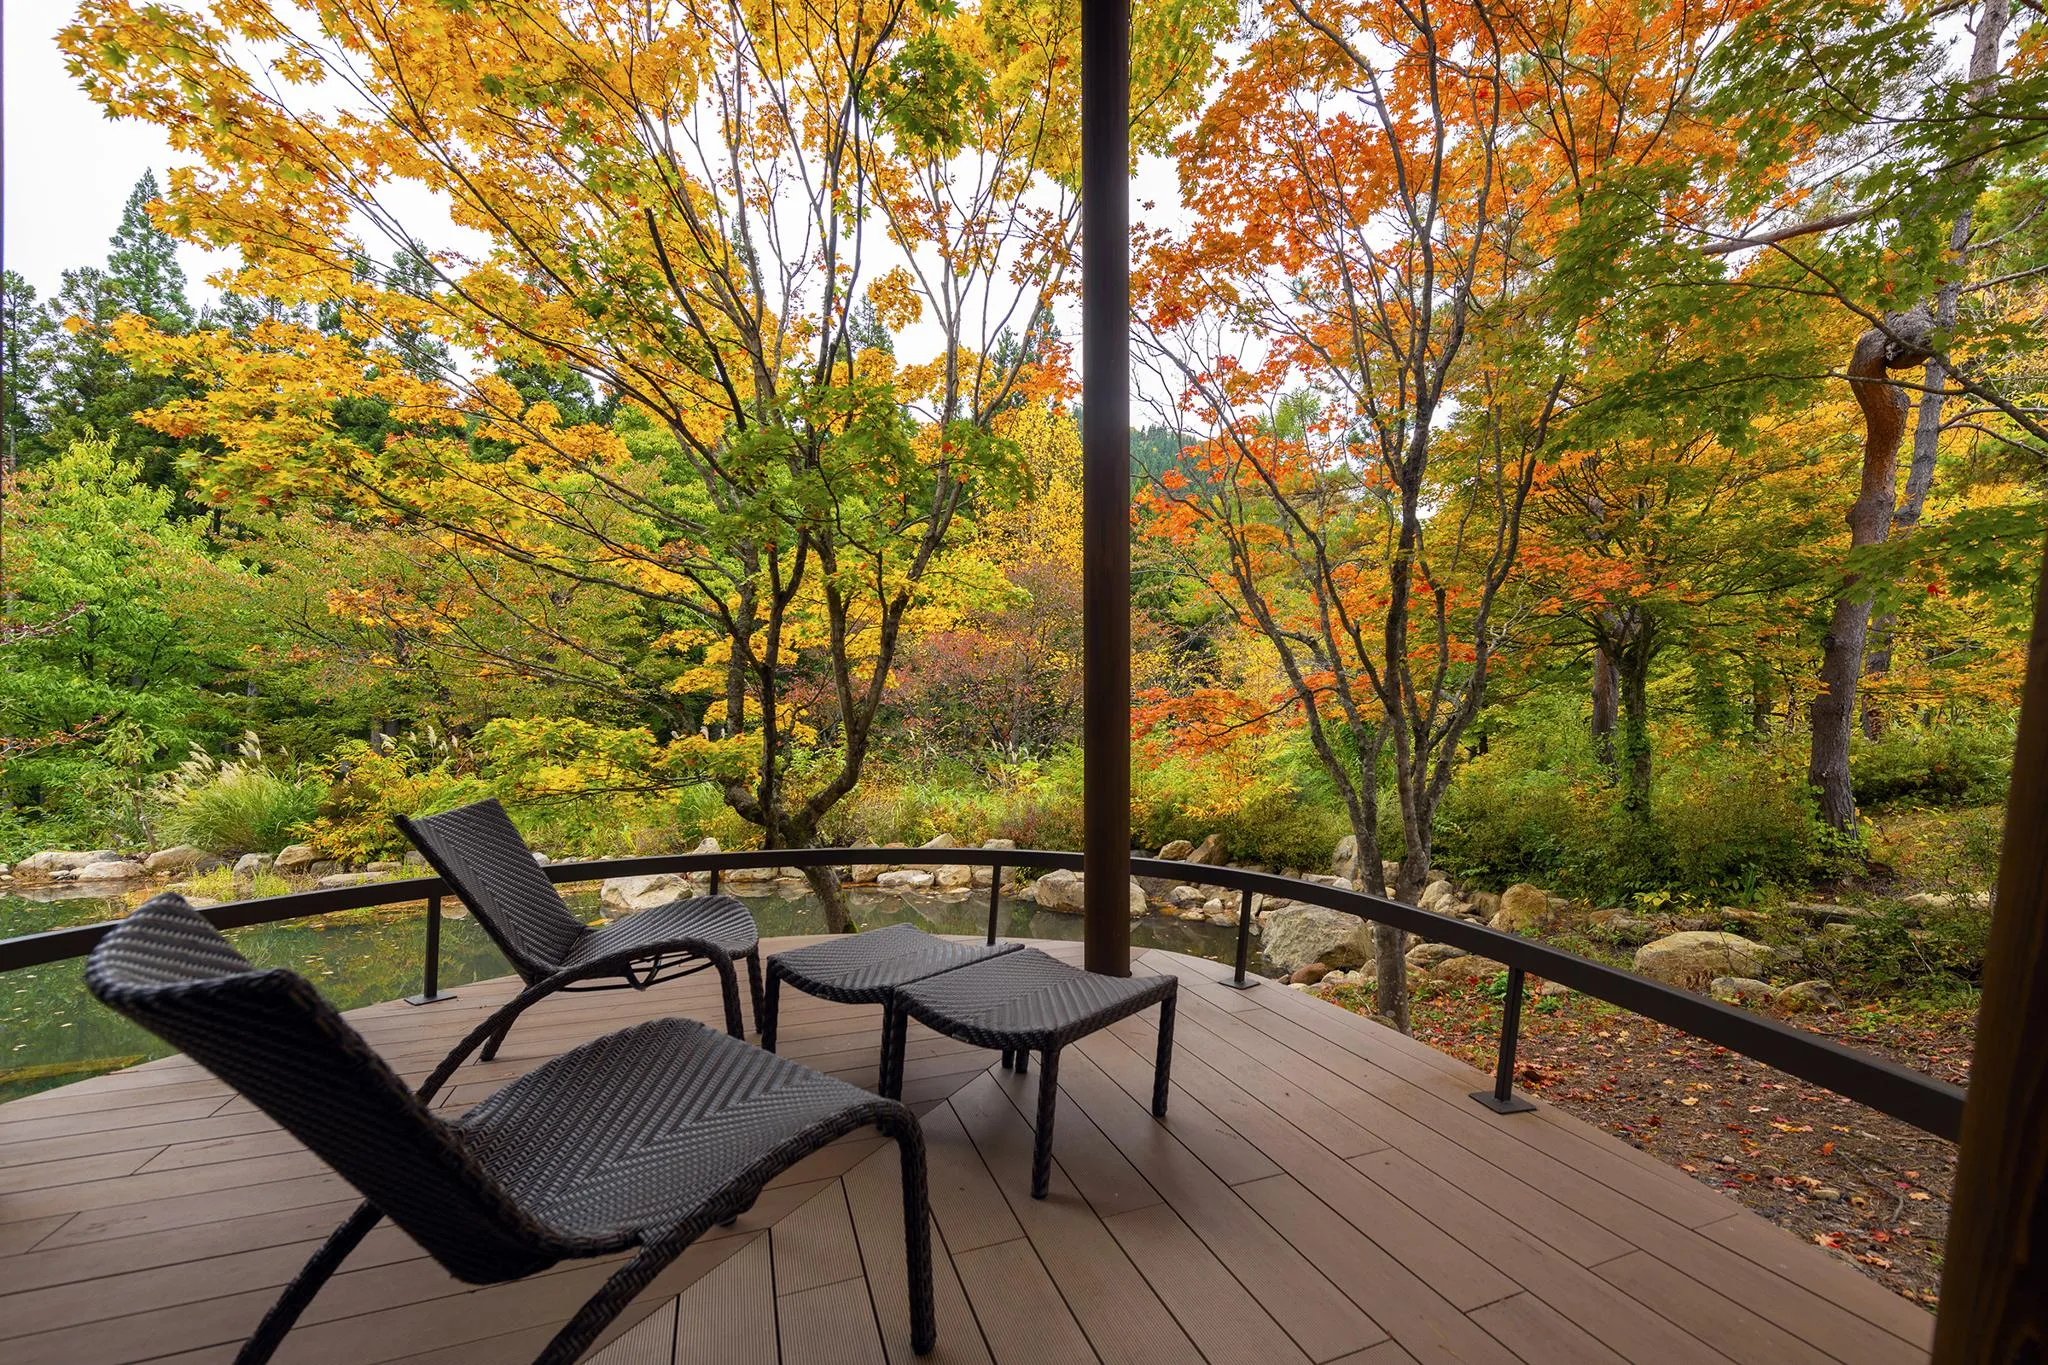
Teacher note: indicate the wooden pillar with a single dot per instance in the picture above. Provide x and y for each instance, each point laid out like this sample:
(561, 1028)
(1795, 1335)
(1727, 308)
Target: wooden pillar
(1994, 1281)
(1106, 481)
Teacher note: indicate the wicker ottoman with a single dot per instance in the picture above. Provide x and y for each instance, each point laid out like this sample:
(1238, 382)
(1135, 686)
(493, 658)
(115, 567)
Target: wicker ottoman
(867, 969)
(1029, 1002)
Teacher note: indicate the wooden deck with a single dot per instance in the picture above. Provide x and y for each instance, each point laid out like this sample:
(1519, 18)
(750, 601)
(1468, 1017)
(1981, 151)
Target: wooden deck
(1323, 1191)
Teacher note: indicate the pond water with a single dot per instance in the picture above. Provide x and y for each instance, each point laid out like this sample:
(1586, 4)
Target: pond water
(53, 1032)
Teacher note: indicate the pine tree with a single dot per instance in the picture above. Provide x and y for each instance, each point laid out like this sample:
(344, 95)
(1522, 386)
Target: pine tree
(142, 266)
(24, 366)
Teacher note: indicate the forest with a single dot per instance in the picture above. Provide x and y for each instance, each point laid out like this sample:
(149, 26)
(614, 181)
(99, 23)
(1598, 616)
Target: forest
(1597, 445)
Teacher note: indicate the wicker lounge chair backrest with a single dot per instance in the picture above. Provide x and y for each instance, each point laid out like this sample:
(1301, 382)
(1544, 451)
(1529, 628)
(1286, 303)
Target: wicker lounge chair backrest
(478, 851)
(270, 1036)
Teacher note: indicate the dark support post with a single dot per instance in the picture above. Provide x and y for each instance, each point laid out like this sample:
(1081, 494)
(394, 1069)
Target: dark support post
(1995, 1264)
(995, 896)
(430, 984)
(1244, 945)
(1502, 1098)
(1106, 482)
(714, 881)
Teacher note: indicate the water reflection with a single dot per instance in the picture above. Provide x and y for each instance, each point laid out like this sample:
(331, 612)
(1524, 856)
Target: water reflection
(53, 1032)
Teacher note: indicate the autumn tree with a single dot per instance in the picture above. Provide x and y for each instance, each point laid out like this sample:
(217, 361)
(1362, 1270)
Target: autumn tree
(688, 207)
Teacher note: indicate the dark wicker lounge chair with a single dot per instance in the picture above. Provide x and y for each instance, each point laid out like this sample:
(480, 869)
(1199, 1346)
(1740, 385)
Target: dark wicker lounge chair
(1024, 1002)
(867, 969)
(640, 1141)
(479, 853)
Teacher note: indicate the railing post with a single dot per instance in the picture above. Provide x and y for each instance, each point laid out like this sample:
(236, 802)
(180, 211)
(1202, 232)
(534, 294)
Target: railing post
(1244, 945)
(430, 983)
(714, 881)
(995, 896)
(1502, 1099)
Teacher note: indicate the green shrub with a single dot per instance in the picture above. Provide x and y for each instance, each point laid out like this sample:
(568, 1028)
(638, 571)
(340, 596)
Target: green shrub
(358, 820)
(237, 805)
(1950, 765)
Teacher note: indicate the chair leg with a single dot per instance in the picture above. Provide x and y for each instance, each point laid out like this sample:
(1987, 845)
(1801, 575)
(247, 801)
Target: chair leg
(1162, 1063)
(895, 1036)
(917, 1235)
(771, 1005)
(490, 1048)
(270, 1333)
(1041, 1146)
(754, 983)
(729, 986)
(600, 1308)
(1020, 1061)
(886, 1062)
(1008, 1059)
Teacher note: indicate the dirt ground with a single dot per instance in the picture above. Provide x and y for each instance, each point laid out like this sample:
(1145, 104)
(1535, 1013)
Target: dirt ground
(1870, 1189)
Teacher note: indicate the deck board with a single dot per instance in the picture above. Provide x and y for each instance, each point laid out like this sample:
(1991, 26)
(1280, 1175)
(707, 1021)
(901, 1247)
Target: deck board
(1322, 1191)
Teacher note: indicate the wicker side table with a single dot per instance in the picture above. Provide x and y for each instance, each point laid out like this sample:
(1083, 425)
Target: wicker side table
(1027, 1002)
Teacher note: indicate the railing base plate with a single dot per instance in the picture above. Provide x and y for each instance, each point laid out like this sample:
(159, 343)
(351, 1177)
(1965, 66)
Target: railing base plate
(436, 998)
(1513, 1104)
(1244, 985)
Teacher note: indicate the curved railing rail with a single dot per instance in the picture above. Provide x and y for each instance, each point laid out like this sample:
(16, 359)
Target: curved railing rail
(1899, 1091)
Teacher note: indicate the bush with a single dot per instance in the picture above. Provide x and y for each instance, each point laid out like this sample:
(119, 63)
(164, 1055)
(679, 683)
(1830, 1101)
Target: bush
(1953, 765)
(358, 821)
(237, 805)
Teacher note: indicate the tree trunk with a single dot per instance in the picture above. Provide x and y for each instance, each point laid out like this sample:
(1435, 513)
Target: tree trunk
(1833, 712)
(824, 884)
(1603, 704)
(1633, 672)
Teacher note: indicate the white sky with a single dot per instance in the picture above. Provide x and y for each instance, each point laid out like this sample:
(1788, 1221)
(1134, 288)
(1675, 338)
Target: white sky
(67, 168)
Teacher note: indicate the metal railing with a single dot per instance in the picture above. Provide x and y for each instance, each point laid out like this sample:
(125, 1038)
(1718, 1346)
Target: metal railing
(1905, 1094)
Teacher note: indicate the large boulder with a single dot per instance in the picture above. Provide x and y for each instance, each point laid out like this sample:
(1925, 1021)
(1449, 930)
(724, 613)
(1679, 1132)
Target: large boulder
(1741, 990)
(950, 876)
(941, 841)
(1439, 898)
(1468, 968)
(1522, 907)
(117, 870)
(984, 875)
(295, 859)
(178, 860)
(1802, 996)
(1694, 957)
(251, 865)
(631, 895)
(1176, 850)
(867, 872)
(1066, 893)
(905, 879)
(1301, 934)
(44, 866)
(1424, 956)
(1344, 856)
(1209, 852)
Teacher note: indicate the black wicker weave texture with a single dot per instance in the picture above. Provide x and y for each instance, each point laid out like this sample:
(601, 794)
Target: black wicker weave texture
(1028, 1000)
(477, 850)
(864, 969)
(643, 1138)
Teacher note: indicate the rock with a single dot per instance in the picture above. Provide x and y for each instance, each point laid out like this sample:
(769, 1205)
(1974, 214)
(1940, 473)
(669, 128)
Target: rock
(1741, 990)
(905, 879)
(339, 879)
(1824, 913)
(1187, 895)
(1827, 1194)
(44, 866)
(414, 860)
(1522, 906)
(984, 875)
(1344, 856)
(1178, 849)
(751, 875)
(295, 859)
(1209, 852)
(1693, 958)
(1065, 892)
(388, 865)
(1302, 934)
(116, 871)
(941, 841)
(541, 858)
(1439, 898)
(250, 866)
(1435, 875)
(1468, 968)
(1936, 900)
(1801, 996)
(951, 875)
(322, 867)
(1425, 956)
(1553, 988)
(1485, 904)
(177, 860)
(631, 895)
(1310, 975)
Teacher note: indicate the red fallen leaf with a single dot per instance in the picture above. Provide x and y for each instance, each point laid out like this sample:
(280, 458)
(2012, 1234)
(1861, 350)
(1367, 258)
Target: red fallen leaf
(1827, 1149)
